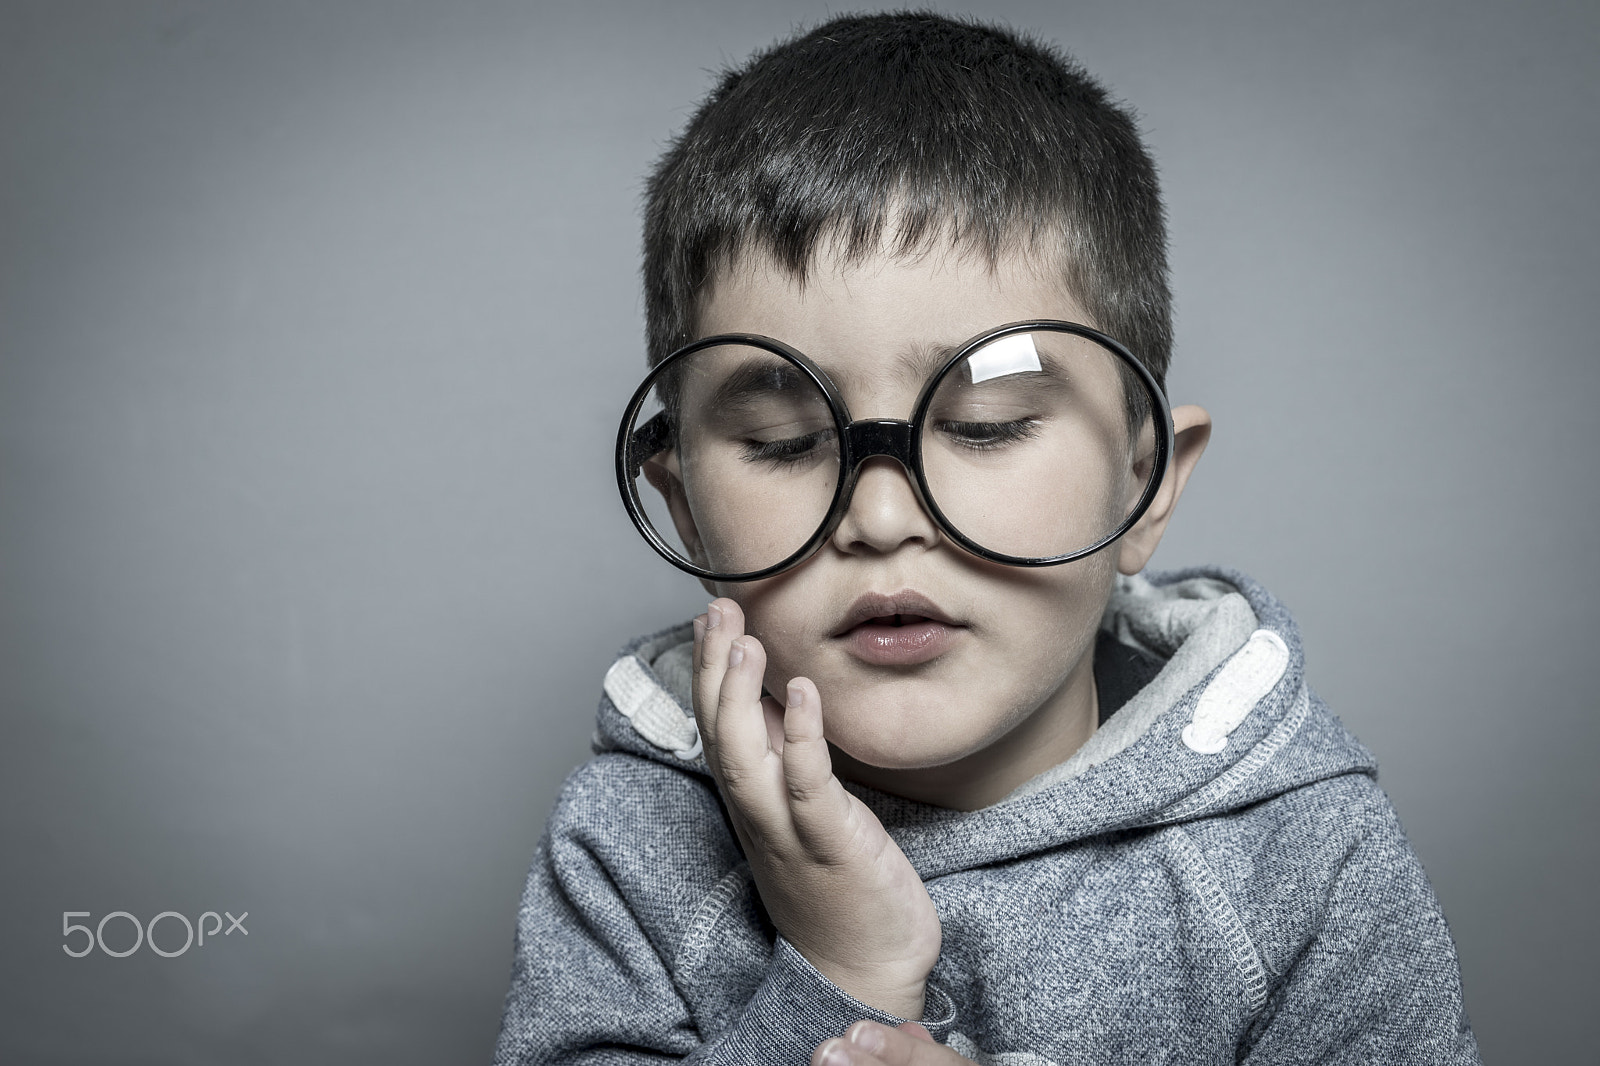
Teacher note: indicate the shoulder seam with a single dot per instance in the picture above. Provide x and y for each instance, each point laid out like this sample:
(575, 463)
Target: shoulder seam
(1245, 957)
(697, 935)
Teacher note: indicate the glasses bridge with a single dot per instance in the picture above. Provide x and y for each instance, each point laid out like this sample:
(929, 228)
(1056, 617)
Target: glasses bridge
(872, 437)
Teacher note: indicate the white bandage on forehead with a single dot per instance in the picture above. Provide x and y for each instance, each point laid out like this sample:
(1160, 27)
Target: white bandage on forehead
(1008, 355)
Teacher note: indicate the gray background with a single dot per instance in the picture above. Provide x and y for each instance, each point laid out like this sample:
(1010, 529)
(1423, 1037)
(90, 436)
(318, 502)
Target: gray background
(314, 321)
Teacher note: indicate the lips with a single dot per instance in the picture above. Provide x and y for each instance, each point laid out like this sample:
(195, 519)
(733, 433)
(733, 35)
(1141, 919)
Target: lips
(902, 629)
(879, 608)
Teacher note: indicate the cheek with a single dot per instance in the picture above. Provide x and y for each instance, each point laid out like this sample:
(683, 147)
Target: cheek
(1049, 623)
(1054, 599)
(774, 613)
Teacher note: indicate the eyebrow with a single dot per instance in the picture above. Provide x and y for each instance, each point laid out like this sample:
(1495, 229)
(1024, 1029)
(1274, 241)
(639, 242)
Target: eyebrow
(752, 379)
(921, 361)
(755, 377)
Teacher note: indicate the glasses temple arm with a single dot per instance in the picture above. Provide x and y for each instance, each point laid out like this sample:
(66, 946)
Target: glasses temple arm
(648, 441)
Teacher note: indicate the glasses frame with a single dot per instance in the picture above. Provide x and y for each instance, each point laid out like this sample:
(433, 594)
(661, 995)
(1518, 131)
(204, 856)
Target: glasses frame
(894, 438)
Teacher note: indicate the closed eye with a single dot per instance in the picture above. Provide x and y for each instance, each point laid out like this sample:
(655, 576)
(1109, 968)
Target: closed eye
(787, 451)
(984, 436)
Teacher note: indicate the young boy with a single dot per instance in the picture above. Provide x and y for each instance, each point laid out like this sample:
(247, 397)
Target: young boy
(938, 776)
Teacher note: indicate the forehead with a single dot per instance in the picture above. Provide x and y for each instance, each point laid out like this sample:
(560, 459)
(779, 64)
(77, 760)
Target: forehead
(884, 320)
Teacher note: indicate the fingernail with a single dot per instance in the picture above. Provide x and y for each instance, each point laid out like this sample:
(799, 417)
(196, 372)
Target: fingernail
(699, 626)
(736, 654)
(835, 1054)
(867, 1038)
(797, 695)
(713, 616)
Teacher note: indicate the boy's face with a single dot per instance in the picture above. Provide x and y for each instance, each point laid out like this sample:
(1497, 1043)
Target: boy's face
(999, 685)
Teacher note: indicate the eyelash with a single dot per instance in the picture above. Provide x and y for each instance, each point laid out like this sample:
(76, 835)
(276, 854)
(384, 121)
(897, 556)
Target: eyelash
(786, 451)
(987, 436)
(978, 436)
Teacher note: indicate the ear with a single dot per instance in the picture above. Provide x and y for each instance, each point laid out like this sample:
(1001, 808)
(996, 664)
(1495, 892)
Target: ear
(665, 475)
(1191, 431)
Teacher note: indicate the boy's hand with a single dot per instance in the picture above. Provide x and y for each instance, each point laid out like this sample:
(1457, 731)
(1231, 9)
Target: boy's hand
(836, 886)
(870, 1044)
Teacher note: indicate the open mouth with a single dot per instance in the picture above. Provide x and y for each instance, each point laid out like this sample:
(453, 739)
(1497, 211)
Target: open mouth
(902, 629)
(892, 610)
(896, 620)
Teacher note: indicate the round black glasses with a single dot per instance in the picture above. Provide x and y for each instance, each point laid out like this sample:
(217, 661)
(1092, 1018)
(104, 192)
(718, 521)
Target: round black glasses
(1033, 444)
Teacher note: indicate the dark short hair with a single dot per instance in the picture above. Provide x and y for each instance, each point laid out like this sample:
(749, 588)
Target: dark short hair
(954, 129)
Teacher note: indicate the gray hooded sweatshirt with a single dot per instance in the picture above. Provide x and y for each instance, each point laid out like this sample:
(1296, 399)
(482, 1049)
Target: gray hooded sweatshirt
(1215, 877)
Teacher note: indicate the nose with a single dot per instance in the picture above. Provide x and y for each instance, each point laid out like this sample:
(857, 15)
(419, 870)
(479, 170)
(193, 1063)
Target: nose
(883, 512)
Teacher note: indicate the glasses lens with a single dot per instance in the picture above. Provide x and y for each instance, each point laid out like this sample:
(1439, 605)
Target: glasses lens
(734, 458)
(1039, 445)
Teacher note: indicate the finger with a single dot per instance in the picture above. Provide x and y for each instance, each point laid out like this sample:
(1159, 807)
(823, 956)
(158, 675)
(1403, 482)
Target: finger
(909, 1045)
(723, 623)
(838, 1052)
(832, 1053)
(700, 621)
(750, 771)
(818, 803)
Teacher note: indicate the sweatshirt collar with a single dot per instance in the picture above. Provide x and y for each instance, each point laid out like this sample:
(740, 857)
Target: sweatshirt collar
(1218, 726)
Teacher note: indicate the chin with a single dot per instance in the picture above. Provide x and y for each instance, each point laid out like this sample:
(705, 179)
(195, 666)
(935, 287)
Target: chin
(907, 740)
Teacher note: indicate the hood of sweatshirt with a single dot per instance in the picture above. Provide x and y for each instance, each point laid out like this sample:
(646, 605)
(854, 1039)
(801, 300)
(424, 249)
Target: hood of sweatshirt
(1226, 723)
